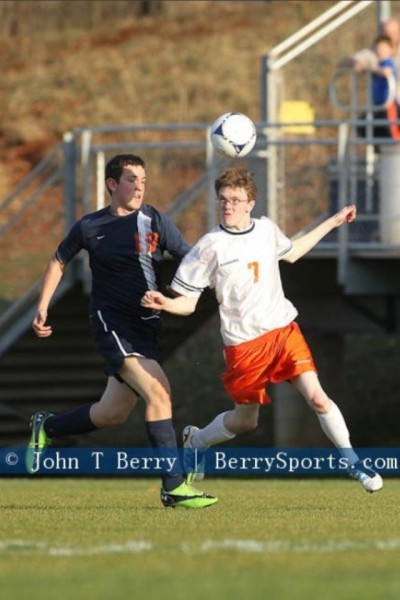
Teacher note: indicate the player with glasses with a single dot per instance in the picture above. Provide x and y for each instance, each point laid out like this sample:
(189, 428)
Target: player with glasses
(221, 201)
(262, 342)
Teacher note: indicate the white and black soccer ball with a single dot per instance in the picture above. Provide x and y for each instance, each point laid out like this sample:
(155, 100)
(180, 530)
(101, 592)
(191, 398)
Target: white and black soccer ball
(233, 134)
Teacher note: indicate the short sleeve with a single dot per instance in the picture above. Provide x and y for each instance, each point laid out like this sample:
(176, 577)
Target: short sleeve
(195, 272)
(71, 244)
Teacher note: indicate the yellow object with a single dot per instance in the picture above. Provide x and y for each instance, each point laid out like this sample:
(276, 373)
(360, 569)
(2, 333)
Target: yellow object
(296, 111)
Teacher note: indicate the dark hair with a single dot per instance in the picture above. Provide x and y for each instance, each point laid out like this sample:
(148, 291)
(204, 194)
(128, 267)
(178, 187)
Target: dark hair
(237, 178)
(383, 38)
(116, 165)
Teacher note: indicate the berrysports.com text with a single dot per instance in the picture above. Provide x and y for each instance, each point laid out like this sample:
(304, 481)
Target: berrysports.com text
(282, 462)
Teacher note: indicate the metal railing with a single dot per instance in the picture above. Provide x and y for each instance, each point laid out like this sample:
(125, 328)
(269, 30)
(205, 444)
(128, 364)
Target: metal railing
(75, 167)
(272, 82)
(42, 177)
(67, 183)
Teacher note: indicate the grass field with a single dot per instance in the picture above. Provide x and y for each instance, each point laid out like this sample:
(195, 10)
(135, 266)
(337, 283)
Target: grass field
(271, 539)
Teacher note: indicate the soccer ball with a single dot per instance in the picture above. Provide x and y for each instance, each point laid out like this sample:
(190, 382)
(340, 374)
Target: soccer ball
(233, 135)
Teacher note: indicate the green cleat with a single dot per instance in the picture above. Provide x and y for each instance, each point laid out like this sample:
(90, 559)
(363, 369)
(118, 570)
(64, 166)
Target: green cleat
(38, 442)
(186, 496)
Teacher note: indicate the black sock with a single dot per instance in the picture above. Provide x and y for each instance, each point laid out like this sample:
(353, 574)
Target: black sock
(161, 434)
(73, 422)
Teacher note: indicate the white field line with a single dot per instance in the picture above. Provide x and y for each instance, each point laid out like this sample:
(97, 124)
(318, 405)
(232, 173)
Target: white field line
(284, 546)
(246, 546)
(27, 547)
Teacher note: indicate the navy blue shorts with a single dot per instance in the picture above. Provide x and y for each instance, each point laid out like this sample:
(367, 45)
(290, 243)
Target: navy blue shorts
(117, 337)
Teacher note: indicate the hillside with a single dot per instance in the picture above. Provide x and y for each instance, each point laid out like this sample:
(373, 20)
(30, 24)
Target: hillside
(93, 63)
(82, 63)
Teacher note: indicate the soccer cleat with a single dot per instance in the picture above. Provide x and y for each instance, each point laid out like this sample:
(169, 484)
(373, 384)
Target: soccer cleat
(186, 496)
(39, 440)
(369, 479)
(194, 462)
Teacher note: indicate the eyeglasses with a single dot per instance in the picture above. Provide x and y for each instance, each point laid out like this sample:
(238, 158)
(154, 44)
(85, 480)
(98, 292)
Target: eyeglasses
(233, 201)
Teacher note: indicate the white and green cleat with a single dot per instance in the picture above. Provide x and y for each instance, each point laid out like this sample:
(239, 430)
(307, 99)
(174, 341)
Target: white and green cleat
(369, 479)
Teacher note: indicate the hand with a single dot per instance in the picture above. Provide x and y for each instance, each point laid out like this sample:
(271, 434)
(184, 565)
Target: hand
(346, 215)
(358, 67)
(154, 300)
(38, 325)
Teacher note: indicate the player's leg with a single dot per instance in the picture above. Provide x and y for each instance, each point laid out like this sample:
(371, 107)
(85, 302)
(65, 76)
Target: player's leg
(146, 377)
(334, 426)
(224, 427)
(244, 381)
(328, 413)
(149, 380)
(114, 407)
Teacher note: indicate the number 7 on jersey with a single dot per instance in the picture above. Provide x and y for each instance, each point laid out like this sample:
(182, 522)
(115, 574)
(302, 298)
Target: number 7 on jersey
(254, 267)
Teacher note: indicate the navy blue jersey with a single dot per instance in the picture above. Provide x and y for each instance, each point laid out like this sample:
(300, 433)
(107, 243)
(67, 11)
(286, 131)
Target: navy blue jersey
(125, 255)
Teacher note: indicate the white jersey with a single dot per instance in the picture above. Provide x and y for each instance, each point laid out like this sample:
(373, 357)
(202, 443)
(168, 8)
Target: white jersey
(243, 268)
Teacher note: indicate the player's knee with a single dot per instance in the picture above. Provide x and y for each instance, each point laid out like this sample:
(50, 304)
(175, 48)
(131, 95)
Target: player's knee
(252, 424)
(159, 398)
(320, 402)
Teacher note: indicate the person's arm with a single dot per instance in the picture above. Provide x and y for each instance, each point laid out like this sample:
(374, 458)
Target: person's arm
(384, 72)
(363, 60)
(172, 238)
(51, 278)
(306, 242)
(351, 63)
(180, 305)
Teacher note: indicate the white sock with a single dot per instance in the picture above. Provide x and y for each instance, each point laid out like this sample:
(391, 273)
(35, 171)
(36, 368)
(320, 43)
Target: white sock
(335, 428)
(213, 433)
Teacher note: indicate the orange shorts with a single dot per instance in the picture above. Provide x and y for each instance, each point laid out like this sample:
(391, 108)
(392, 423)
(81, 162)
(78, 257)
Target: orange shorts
(276, 356)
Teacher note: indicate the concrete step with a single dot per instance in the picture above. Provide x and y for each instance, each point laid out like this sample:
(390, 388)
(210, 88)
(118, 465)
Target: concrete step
(59, 376)
(70, 343)
(53, 392)
(38, 360)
